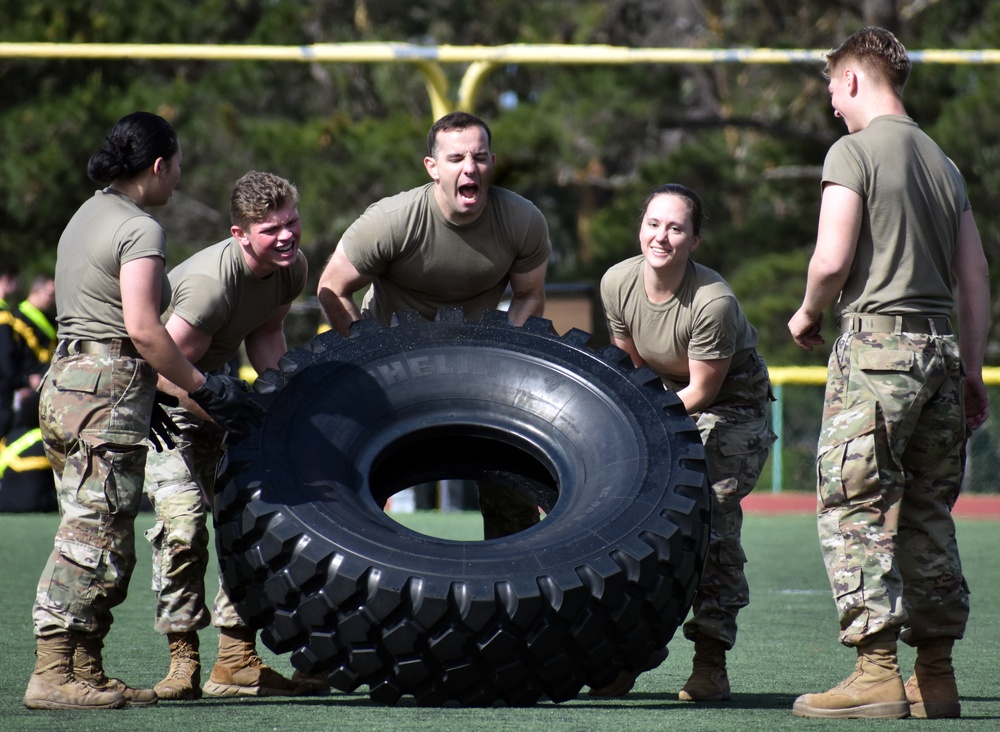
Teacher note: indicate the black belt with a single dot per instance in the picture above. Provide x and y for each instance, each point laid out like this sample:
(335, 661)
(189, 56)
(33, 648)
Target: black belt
(114, 347)
(870, 323)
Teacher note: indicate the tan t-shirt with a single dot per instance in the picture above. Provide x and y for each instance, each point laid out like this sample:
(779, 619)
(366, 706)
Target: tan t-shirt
(421, 261)
(914, 198)
(106, 232)
(215, 291)
(702, 322)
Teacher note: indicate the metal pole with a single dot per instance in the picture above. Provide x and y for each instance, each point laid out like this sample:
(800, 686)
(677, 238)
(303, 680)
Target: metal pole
(778, 425)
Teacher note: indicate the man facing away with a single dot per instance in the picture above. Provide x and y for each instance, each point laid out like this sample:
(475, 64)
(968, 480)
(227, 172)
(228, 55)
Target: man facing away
(903, 392)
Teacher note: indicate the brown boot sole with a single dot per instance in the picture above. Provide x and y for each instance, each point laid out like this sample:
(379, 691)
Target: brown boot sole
(686, 696)
(141, 703)
(619, 687)
(49, 704)
(882, 710)
(181, 695)
(213, 688)
(626, 679)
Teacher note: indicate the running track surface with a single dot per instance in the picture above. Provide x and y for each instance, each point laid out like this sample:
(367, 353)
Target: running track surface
(972, 506)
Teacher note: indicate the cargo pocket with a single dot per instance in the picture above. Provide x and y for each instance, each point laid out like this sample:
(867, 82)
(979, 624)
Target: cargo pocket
(70, 588)
(737, 459)
(729, 552)
(845, 572)
(154, 535)
(109, 477)
(847, 582)
(846, 463)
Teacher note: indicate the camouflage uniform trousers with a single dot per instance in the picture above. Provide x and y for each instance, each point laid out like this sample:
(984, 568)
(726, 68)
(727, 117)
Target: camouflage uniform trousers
(737, 438)
(94, 416)
(180, 483)
(890, 462)
(505, 510)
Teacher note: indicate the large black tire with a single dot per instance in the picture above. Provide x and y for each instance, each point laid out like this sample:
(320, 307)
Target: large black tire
(309, 555)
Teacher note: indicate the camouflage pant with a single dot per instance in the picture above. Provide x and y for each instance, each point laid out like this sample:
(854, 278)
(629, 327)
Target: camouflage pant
(736, 437)
(180, 484)
(94, 415)
(890, 463)
(505, 511)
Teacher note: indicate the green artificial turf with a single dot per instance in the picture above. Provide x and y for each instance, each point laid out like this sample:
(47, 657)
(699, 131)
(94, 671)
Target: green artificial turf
(787, 646)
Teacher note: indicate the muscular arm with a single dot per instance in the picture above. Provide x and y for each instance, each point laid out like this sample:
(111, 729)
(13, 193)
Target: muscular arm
(141, 281)
(529, 294)
(972, 275)
(704, 381)
(337, 285)
(266, 344)
(836, 241)
(193, 343)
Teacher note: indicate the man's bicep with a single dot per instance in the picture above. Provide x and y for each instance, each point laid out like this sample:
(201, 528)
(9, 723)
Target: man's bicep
(840, 218)
(530, 281)
(192, 341)
(969, 259)
(341, 277)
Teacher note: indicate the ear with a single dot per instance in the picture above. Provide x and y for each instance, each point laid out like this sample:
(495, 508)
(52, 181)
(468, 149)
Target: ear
(696, 243)
(238, 234)
(851, 79)
(159, 166)
(431, 165)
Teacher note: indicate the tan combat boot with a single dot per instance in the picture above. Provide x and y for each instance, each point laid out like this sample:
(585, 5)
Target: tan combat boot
(931, 690)
(873, 691)
(88, 665)
(239, 671)
(183, 679)
(709, 680)
(623, 684)
(53, 686)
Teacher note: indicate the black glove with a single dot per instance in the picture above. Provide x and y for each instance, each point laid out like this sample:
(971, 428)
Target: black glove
(161, 428)
(227, 400)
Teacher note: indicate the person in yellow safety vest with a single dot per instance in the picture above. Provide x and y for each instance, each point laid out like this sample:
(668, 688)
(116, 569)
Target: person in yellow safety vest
(34, 311)
(26, 482)
(10, 347)
(39, 336)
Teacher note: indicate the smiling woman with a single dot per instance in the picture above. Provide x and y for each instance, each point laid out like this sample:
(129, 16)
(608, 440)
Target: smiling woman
(682, 320)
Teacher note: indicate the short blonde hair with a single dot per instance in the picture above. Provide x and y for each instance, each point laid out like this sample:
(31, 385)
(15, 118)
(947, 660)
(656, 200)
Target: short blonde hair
(877, 51)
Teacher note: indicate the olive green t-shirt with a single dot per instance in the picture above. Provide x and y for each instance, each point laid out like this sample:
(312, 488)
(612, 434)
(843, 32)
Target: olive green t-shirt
(702, 322)
(106, 232)
(914, 198)
(216, 292)
(421, 261)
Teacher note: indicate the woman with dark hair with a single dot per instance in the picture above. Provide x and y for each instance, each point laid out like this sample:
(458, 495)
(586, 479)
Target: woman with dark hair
(683, 321)
(96, 408)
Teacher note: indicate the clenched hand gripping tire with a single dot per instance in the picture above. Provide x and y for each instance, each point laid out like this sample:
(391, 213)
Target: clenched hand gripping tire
(309, 556)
